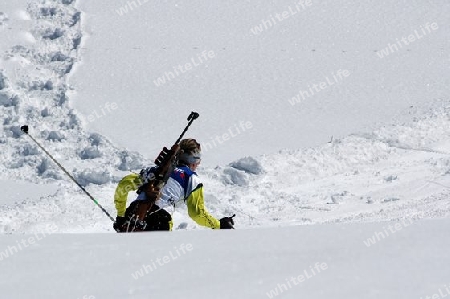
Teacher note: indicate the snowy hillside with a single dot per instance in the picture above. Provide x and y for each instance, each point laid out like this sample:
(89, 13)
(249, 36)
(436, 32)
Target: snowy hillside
(329, 261)
(325, 56)
(325, 128)
(368, 153)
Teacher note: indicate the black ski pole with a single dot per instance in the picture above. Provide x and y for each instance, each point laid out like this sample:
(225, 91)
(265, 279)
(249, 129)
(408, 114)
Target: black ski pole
(193, 116)
(166, 154)
(25, 130)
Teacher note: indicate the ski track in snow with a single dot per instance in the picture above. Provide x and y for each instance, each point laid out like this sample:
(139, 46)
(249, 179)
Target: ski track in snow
(399, 171)
(33, 91)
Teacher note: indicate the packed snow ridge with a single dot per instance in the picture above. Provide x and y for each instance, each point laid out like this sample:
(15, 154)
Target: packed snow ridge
(33, 91)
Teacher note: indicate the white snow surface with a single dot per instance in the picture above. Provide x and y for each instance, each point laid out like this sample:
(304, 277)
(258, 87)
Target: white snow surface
(364, 157)
(245, 263)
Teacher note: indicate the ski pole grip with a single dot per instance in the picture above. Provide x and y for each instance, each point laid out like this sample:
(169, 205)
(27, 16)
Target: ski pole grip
(193, 116)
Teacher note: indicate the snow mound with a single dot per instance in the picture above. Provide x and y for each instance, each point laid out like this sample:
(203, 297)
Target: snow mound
(3, 83)
(354, 179)
(234, 176)
(91, 176)
(3, 18)
(248, 165)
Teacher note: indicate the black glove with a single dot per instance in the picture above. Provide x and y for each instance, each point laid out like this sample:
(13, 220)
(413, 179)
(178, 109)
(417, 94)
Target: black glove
(167, 154)
(120, 221)
(163, 156)
(227, 222)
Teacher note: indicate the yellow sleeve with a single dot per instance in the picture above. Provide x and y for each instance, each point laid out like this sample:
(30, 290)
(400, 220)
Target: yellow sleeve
(197, 211)
(128, 183)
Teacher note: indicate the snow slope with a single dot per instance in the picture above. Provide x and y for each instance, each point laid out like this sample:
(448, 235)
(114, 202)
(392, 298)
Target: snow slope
(409, 263)
(397, 170)
(355, 175)
(253, 77)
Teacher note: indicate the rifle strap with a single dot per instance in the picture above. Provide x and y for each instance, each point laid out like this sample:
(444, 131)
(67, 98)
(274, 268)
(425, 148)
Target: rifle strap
(142, 208)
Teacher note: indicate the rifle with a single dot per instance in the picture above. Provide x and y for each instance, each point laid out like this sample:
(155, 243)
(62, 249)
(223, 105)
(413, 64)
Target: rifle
(166, 162)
